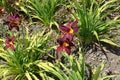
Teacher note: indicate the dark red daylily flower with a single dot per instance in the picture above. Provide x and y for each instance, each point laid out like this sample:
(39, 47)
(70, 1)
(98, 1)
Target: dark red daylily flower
(14, 2)
(2, 10)
(70, 29)
(9, 43)
(11, 2)
(13, 21)
(64, 44)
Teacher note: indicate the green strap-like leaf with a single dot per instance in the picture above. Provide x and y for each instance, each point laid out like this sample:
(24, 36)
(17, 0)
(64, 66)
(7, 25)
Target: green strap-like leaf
(97, 72)
(109, 42)
(28, 75)
(110, 76)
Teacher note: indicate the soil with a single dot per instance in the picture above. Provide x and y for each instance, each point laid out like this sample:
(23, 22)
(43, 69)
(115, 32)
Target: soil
(112, 64)
(96, 56)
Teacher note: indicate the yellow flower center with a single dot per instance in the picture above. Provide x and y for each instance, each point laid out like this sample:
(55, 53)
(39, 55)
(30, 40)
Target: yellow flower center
(15, 23)
(65, 44)
(71, 31)
(11, 42)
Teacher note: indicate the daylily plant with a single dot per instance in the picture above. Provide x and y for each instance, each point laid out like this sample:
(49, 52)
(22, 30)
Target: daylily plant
(70, 29)
(13, 21)
(64, 44)
(9, 43)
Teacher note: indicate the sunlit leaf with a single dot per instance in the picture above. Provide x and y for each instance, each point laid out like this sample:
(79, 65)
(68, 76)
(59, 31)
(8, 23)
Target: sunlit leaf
(109, 42)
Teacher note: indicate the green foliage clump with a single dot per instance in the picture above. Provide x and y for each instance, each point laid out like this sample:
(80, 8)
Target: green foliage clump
(92, 15)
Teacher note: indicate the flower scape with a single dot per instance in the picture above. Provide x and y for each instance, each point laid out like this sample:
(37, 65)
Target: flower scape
(59, 40)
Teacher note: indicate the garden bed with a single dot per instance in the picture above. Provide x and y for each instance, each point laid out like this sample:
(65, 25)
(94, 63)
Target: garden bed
(62, 43)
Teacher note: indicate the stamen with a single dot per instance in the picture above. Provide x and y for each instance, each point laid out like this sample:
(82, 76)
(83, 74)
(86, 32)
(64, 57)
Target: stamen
(11, 42)
(15, 23)
(71, 31)
(65, 44)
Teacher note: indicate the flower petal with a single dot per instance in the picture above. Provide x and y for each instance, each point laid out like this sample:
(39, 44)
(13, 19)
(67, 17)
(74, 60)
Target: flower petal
(74, 23)
(68, 36)
(17, 18)
(59, 49)
(76, 29)
(68, 50)
(7, 40)
(12, 47)
(13, 38)
(60, 41)
(64, 29)
(71, 44)
(6, 47)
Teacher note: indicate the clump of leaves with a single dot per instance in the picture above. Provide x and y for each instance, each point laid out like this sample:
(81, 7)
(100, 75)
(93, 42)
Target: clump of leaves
(92, 21)
(44, 10)
(21, 55)
(75, 69)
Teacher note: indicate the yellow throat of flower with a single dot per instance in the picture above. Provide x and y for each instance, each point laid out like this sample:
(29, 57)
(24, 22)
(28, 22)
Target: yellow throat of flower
(71, 31)
(65, 44)
(11, 42)
(15, 23)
